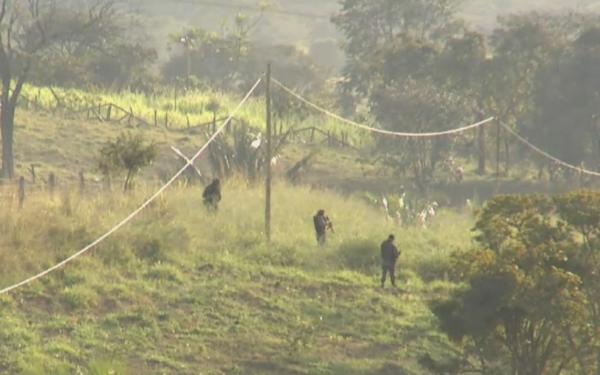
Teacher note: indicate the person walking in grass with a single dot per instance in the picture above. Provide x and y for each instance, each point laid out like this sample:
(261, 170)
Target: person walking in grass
(389, 256)
(322, 225)
(212, 195)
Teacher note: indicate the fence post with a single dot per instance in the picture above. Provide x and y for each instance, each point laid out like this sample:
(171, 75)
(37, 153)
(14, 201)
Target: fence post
(32, 170)
(21, 191)
(481, 151)
(108, 112)
(187, 117)
(81, 182)
(269, 156)
(52, 183)
(155, 118)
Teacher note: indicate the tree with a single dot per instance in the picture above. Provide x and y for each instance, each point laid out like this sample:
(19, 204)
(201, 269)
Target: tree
(230, 59)
(521, 46)
(418, 69)
(580, 214)
(567, 99)
(129, 154)
(531, 300)
(464, 69)
(31, 32)
(416, 106)
(370, 25)
(211, 56)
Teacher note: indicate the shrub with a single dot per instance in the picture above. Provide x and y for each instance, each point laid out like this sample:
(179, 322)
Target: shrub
(129, 154)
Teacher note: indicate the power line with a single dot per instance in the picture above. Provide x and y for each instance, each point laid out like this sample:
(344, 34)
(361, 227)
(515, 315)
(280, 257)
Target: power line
(257, 9)
(547, 155)
(380, 131)
(434, 134)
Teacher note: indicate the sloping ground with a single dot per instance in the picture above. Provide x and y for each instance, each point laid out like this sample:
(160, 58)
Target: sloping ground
(66, 146)
(183, 292)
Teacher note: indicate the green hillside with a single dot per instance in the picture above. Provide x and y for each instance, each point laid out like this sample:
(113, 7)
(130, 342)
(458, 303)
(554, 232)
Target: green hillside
(183, 292)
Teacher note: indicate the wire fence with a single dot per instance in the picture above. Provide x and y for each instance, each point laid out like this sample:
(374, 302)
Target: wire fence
(136, 212)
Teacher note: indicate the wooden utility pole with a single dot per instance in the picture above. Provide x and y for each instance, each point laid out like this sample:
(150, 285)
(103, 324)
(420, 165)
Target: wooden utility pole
(269, 156)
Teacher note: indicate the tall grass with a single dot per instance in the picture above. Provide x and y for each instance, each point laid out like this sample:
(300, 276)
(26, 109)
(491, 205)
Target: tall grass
(193, 106)
(181, 290)
(179, 108)
(50, 228)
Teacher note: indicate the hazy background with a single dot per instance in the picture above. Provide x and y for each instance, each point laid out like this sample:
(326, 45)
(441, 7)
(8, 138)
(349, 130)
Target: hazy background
(306, 23)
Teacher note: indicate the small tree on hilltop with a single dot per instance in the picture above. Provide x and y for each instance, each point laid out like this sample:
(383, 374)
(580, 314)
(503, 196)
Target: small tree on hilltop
(129, 154)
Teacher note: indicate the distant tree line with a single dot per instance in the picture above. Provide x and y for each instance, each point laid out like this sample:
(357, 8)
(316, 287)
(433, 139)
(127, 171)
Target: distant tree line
(414, 65)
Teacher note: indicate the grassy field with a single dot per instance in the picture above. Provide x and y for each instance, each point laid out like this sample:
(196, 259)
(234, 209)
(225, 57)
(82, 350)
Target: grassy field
(63, 146)
(197, 107)
(180, 291)
(193, 108)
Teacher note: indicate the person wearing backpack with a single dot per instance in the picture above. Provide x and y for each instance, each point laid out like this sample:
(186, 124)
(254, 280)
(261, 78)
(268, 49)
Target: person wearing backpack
(322, 225)
(212, 195)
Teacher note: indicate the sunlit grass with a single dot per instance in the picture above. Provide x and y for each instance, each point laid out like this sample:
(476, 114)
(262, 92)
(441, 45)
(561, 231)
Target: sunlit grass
(180, 290)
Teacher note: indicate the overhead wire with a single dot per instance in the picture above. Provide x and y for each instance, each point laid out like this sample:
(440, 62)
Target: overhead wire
(376, 130)
(547, 155)
(435, 134)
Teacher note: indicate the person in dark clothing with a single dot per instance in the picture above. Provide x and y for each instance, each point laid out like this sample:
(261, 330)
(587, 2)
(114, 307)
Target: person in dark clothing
(322, 225)
(389, 256)
(212, 195)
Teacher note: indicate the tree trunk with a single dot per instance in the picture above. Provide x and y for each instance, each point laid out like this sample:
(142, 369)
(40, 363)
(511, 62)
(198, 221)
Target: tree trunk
(481, 163)
(7, 121)
(127, 185)
(506, 156)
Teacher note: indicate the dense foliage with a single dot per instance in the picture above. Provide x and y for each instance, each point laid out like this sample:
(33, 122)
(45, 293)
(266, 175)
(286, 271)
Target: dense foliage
(531, 300)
